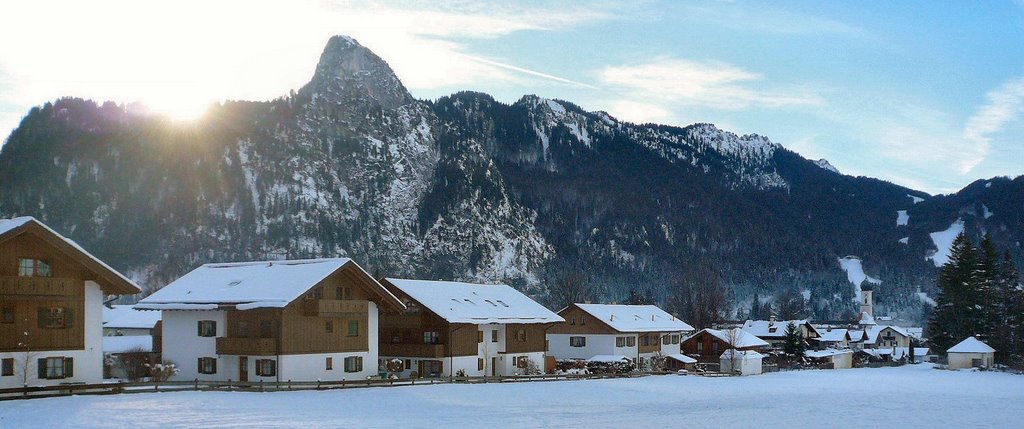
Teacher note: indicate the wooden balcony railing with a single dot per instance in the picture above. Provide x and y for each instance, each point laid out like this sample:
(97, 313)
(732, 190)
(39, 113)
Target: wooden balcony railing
(246, 346)
(40, 286)
(336, 308)
(412, 350)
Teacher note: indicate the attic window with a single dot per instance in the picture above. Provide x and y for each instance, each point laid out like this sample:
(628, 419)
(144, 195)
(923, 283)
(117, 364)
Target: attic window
(773, 329)
(455, 301)
(502, 303)
(471, 302)
(490, 302)
(235, 283)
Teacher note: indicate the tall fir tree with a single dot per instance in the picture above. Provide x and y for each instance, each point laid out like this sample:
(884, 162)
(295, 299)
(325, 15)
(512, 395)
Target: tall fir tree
(794, 343)
(956, 316)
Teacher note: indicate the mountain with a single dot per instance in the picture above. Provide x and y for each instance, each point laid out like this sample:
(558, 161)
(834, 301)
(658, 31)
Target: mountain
(466, 187)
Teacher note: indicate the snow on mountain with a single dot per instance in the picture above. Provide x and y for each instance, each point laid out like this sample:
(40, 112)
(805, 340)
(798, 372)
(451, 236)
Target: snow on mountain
(915, 199)
(824, 164)
(943, 241)
(855, 273)
(902, 217)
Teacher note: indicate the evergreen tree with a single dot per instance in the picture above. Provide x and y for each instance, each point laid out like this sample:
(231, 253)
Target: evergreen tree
(1011, 296)
(755, 309)
(957, 308)
(794, 342)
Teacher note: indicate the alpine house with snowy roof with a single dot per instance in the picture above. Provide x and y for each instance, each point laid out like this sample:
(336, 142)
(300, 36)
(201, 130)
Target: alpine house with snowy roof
(453, 328)
(638, 332)
(51, 306)
(299, 320)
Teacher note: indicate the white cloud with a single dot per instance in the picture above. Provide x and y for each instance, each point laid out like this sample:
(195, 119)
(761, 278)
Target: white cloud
(681, 82)
(639, 112)
(178, 58)
(1003, 105)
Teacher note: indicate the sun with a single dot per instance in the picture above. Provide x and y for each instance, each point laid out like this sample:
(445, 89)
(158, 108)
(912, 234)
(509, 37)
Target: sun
(179, 109)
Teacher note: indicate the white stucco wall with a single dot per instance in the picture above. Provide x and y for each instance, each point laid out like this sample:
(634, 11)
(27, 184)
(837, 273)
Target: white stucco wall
(746, 365)
(183, 346)
(963, 360)
(88, 362)
(597, 344)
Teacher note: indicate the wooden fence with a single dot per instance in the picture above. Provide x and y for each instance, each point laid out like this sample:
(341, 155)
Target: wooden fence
(276, 386)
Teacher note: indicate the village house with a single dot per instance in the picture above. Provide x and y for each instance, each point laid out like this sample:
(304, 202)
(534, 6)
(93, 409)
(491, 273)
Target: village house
(886, 337)
(970, 353)
(774, 332)
(125, 320)
(51, 300)
(453, 328)
(638, 332)
(297, 320)
(708, 345)
(832, 338)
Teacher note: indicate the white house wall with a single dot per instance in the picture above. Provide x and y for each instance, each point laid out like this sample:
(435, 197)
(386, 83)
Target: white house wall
(963, 360)
(88, 362)
(183, 346)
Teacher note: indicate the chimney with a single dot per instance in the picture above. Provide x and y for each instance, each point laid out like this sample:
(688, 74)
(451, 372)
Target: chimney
(771, 320)
(612, 319)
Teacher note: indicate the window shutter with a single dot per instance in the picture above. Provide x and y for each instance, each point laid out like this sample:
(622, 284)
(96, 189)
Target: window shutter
(69, 367)
(69, 318)
(41, 370)
(199, 331)
(199, 365)
(214, 361)
(42, 316)
(273, 367)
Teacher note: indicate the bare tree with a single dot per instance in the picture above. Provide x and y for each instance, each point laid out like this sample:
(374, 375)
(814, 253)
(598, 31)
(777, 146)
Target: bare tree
(133, 363)
(568, 288)
(26, 355)
(699, 298)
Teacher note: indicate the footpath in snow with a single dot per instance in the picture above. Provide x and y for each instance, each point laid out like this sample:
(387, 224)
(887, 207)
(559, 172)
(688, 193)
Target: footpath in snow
(915, 396)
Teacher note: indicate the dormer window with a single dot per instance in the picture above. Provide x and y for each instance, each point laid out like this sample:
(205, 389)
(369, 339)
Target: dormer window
(34, 268)
(502, 303)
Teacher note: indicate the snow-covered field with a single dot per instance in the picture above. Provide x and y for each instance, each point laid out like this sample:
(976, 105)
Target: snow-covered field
(915, 396)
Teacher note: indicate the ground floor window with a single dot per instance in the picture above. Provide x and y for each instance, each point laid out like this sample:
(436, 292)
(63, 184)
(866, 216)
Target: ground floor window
(266, 367)
(577, 341)
(521, 361)
(329, 364)
(207, 365)
(56, 367)
(354, 364)
(408, 363)
(431, 368)
(480, 364)
(8, 367)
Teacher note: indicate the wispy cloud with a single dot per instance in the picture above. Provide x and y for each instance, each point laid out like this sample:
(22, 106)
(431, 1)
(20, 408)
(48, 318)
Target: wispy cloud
(708, 84)
(1003, 105)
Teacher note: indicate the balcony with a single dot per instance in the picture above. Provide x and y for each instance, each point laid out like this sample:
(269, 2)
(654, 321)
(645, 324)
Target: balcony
(246, 346)
(412, 350)
(336, 308)
(11, 286)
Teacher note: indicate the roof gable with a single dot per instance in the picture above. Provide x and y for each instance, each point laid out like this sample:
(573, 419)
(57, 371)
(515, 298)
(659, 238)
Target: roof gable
(111, 280)
(249, 285)
(458, 302)
(971, 345)
(775, 329)
(635, 318)
(742, 338)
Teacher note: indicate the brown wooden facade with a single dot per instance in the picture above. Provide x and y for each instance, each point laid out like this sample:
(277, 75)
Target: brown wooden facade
(706, 347)
(30, 303)
(332, 316)
(578, 321)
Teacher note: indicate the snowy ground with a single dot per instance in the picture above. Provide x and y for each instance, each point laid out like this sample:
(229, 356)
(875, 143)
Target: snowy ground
(909, 397)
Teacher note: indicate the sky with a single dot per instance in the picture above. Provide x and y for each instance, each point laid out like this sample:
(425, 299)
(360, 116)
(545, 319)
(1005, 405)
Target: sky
(928, 95)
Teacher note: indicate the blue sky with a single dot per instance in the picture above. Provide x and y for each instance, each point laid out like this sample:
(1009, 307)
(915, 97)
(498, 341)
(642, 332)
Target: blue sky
(925, 94)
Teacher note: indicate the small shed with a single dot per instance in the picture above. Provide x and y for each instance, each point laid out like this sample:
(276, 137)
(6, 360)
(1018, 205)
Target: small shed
(678, 361)
(840, 359)
(741, 362)
(970, 353)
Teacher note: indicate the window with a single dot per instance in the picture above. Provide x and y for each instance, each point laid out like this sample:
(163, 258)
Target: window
(353, 328)
(354, 364)
(56, 367)
(343, 292)
(675, 339)
(266, 329)
(583, 320)
(502, 303)
(577, 341)
(620, 341)
(208, 365)
(243, 329)
(54, 318)
(430, 337)
(494, 336)
(479, 336)
(34, 268)
(329, 326)
(700, 347)
(521, 335)
(408, 363)
(714, 347)
(630, 341)
(396, 336)
(6, 314)
(266, 367)
(572, 320)
(8, 367)
(329, 364)
(207, 328)
(666, 340)
(479, 364)
(521, 361)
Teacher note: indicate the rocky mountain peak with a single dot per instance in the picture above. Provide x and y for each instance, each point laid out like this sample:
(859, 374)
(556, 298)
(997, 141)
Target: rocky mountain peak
(348, 70)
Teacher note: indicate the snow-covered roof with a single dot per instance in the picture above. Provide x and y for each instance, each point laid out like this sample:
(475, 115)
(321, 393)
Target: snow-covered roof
(123, 284)
(743, 339)
(825, 353)
(772, 329)
(635, 318)
(459, 302)
(124, 316)
(856, 335)
(265, 284)
(871, 333)
(866, 319)
(608, 358)
(681, 358)
(741, 354)
(121, 344)
(835, 335)
(971, 345)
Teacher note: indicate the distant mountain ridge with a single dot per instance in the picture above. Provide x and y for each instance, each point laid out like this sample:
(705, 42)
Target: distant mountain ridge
(468, 188)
